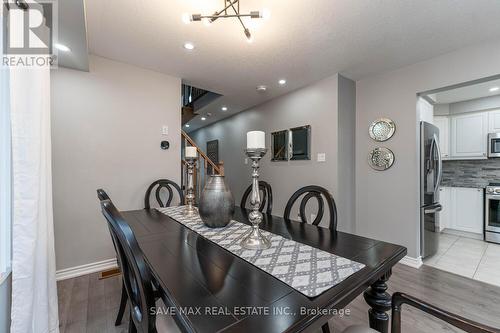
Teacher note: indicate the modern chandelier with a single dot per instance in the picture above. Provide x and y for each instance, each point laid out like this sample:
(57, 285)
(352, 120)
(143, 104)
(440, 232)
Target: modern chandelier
(231, 10)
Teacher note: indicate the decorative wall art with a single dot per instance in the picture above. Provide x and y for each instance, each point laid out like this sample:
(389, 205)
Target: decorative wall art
(382, 129)
(381, 158)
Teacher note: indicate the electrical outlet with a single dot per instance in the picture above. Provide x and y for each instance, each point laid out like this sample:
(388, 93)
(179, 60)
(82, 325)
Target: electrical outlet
(321, 157)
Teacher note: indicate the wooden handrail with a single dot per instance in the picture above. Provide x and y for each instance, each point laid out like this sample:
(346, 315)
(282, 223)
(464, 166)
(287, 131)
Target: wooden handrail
(202, 154)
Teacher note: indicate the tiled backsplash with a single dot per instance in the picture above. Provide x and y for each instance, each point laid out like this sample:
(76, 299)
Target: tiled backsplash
(471, 173)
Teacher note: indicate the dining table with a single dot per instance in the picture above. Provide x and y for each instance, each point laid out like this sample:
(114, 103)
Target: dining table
(213, 290)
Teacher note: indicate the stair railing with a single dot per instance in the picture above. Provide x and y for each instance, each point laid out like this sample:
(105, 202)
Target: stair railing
(204, 166)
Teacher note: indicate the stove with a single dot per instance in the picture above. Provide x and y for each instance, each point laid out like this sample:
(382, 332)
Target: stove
(492, 213)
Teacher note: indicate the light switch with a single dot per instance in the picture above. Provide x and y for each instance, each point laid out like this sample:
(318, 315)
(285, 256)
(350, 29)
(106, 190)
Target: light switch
(321, 157)
(164, 130)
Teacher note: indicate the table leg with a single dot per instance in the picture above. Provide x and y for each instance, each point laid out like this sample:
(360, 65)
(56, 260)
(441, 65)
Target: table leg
(380, 302)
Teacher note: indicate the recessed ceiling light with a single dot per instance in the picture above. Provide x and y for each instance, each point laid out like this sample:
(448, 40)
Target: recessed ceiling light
(261, 88)
(187, 125)
(224, 108)
(62, 47)
(282, 82)
(493, 89)
(189, 46)
(203, 118)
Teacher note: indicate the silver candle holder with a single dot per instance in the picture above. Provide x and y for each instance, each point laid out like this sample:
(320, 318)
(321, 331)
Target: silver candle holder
(255, 240)
(190, 197)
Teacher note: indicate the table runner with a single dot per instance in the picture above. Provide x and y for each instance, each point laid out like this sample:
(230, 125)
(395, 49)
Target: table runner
(306, 269)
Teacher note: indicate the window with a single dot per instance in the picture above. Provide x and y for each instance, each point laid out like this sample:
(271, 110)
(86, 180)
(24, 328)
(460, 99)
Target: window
(5, 176)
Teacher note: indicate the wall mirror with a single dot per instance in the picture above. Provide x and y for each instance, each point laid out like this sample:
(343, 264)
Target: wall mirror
(279, 146)
(300, 141)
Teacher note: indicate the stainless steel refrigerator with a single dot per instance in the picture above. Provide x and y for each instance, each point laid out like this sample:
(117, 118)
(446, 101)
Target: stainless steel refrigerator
(431, 171)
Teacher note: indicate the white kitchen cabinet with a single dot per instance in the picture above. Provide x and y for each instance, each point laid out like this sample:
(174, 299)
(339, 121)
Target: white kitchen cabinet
(469, 136)
(466, 213)
(445, 201)
(443, 123)
(494, 121)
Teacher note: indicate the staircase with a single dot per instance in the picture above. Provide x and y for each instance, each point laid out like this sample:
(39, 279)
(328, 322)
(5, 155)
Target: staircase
(194, 99)
(204, 166)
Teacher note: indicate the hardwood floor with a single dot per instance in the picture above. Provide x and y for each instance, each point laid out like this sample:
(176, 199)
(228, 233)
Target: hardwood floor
(87, 304)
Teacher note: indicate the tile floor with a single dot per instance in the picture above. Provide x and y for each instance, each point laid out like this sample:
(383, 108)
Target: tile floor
(467, 257)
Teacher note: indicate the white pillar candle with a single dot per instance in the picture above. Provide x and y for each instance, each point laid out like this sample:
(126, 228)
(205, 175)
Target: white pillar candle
(191, 152)
(256, 139)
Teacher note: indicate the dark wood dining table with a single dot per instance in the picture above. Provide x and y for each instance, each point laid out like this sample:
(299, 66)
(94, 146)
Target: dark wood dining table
(216, 291)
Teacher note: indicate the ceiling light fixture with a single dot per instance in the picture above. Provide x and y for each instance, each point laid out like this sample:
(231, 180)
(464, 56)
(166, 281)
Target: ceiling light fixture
(224, 108)
(203, 118)
(493, 89)
(282, 82)
(62, 47)
(189, 46)
(187, 125)
(261, 88)
(231, 10)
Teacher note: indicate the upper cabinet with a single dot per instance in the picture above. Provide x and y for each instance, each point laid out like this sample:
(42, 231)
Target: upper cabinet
(443, 123)
(494, 121)
(469, 136)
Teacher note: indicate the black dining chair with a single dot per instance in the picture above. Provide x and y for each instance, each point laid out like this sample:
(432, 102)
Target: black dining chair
(163, 184)
(266, 197)
(318, 193)
(398, 299)
(102, 195)
(138, 281)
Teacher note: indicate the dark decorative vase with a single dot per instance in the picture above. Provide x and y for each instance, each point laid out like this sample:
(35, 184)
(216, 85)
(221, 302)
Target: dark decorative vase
(216, 205)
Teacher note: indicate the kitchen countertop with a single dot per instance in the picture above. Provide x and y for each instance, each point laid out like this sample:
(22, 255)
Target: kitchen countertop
(466, 185)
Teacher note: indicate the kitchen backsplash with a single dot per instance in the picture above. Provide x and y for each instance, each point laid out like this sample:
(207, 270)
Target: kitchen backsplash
(471, 173)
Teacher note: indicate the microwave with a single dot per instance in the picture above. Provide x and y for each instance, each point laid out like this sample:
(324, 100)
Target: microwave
(494, 145)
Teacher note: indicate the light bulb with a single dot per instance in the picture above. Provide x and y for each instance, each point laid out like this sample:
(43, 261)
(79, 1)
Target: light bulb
(186, 18)
(265, 14)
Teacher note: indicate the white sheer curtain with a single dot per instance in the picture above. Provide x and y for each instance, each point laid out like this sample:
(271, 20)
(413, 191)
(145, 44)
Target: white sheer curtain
(34, 292)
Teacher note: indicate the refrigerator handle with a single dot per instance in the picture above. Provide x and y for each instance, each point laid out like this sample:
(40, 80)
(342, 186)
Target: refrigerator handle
(440, 165)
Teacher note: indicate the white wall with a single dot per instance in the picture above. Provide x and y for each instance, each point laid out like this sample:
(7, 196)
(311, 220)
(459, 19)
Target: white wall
(106, 132)
(387, 203)
(316, 105)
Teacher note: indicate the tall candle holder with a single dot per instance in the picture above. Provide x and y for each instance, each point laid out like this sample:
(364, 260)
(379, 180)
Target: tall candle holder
(255, 240)
(190, 197)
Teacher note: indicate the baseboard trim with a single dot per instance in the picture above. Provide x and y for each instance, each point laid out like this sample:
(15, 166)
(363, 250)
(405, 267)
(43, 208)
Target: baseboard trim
(412, 262)
(76, 271)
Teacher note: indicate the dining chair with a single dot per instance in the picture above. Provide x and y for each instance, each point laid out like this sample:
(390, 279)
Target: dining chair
(398, 299)
(317, 192)
(102, 195)
(138, 281)
(163, 184)
(266, 197)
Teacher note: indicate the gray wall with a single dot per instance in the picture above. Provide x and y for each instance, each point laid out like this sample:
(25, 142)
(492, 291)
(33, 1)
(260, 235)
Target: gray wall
(387, 203)
(106, 132)
(5, 302)
(317, 105)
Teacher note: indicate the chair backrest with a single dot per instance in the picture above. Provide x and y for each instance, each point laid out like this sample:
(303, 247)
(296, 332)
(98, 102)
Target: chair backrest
(137, 278)
(317, 192)
(266, 197)
(163, 184)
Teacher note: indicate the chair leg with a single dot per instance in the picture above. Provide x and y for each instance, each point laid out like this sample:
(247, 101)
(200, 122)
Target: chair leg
(123, 304)
(325, 328)
(131, 325)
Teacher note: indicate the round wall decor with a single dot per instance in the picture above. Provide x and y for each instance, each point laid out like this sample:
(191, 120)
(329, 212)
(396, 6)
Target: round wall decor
(382, 129)
(381, 158)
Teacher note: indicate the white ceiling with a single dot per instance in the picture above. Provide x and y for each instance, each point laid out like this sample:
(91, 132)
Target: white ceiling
(466, 93)
(303, 41)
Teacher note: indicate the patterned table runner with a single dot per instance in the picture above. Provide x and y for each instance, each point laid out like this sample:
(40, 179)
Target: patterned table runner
(306, 269)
